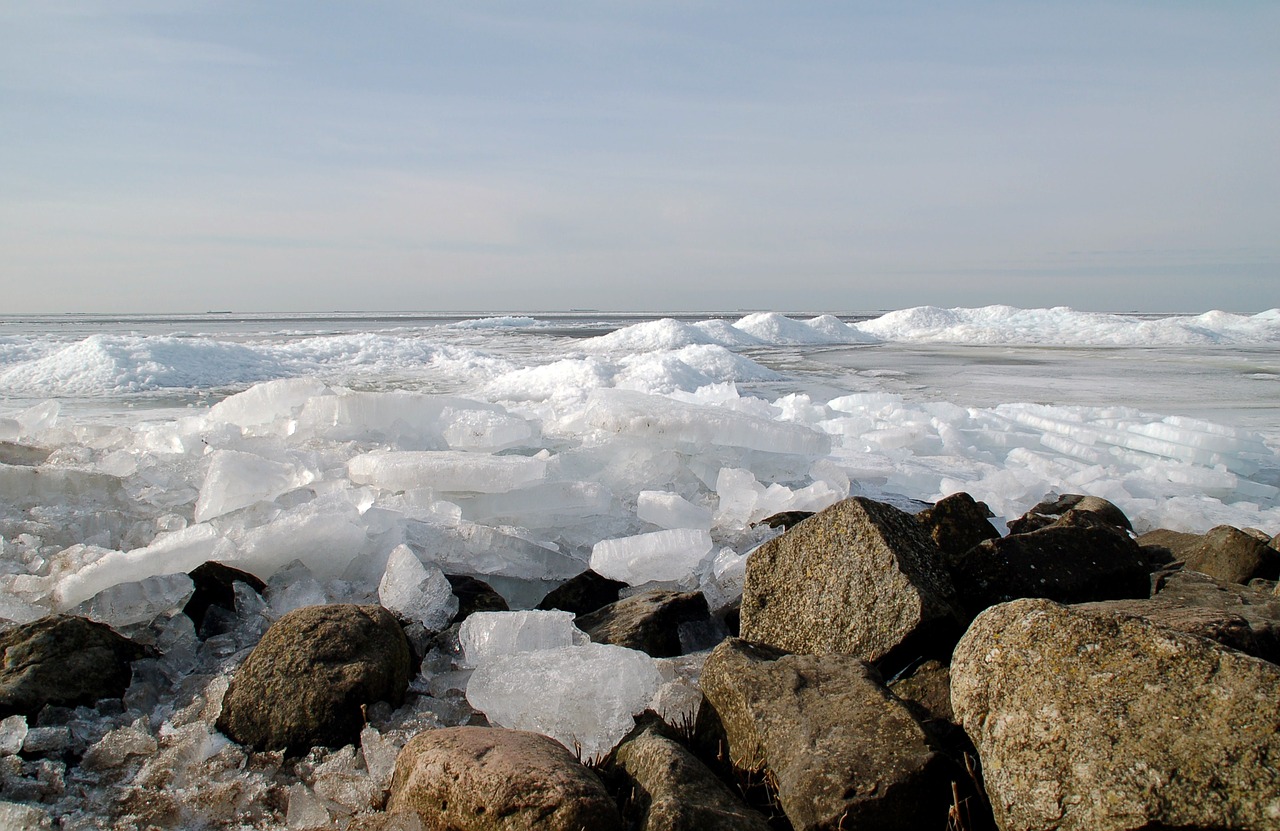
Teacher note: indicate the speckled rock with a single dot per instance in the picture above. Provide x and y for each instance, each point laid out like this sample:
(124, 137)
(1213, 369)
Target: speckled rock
(306, 681)
(1233, 615)
(844, 752)
(649, 621)
(679, 793)
(1095, 721)
(929, 689)
(957, 523)
(583, 594)
(1232, 555)
(1069, 564)
(490, 779)
(1047, 512)
(861, 578)
(474, 595)
(65, 661)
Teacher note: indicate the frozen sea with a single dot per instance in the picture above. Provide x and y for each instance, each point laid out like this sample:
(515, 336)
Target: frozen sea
(354, 457)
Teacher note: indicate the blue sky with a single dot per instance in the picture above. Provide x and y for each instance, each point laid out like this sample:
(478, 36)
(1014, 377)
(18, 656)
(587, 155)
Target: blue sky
(305, 156)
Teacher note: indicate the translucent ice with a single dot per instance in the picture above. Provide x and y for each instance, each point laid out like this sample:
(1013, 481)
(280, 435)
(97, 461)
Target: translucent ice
(416, 590)
(305, 808)
(451, 471)
(487, 636)
(236, 480)
(126, 604)
(326, 534)
(266, 402)
(659, 556)
(178, 552)
(584, 697)
(13, 732)
(670, 510)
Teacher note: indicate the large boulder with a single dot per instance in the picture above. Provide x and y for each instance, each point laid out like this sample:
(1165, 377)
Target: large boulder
(1224, 552)
(677, 792)
(65, 661)
(650, 621)
(844, 752)
(861, 578)
(1049, 511)
(1233, 615)
(1067, 563)
(582, 594)
(307, 681)
(490, 779)
(1096, 721)
(957, 523)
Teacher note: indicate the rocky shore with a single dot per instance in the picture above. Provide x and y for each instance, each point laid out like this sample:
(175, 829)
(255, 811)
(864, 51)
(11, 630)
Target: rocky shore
(882, 670)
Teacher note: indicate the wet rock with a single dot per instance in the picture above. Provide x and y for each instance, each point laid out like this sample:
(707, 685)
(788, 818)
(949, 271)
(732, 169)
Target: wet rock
(1048, 512)
(215, 586)
(650, 621)
(957, 523)
(1103, 721)
(844, 752)
(785, 519)
(478, 778)
(1069, 564)
(583, 594)
(861, 578)
(1233, 615)
(680, 793)
(307, 680)
(65, 661)
(474, 595)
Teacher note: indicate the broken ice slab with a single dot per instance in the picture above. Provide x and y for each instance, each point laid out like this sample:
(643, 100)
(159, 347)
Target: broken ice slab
(326, 534)
(544, 505)
(23, 487)
(446, 470)
(671, 510)
(140, 601)
(661, 556)
(264, 403)
(485, 431)
(409, 420)
(417, 591)
(486, 636)
(13, 732)
(584, 697)
(667, 422)
(470, 548)
(236, 480)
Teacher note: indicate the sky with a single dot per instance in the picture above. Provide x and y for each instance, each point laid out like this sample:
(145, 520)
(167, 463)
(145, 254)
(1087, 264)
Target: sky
(187, 156)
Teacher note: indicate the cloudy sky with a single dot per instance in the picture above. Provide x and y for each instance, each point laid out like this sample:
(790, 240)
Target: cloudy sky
(179, 155)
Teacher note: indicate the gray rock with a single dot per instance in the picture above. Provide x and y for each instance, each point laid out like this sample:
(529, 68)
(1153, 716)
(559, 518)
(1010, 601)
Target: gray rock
(481, 778)
(957, 523)
(215, 586)
(678, 791)
(844, 752)
(1232, 555)
(929, 689)
(474, 595)
(650, 621)
(65, 661)
(861, 578)
(1048, 512)
(307, 680)
(1069, 564)
(582, 594)
(1102, 721)
(1233, 615)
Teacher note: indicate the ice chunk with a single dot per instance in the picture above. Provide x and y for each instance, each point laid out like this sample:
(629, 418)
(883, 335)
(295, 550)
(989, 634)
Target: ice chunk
(326, 534)
(725, 582)
(544, 505)
(21, 817)
(178, 552)
(379, 756)
(485, 430)
(13, 732)
(293, 587)
(117, 747)
(305, 808)
(584, 697)
(236, 480)
(417, 591)
(409, 420)
(486, 636)
(660, 556)
(450, 470)
(670, 510)
(470, 548)
(141, 601)
(266, 402)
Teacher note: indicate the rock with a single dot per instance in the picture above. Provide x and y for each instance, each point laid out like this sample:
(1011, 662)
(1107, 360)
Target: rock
(1069, 564)
(1050, 510)
(474, 595)
(929, 689)
(215, 586)
(1233, 615)
(65, 661)
(844, 752)
(957, 523)
(306, 681)
(1103, 721)
(650, 621)
(583, 594)
(478, 778)
(680, 793)
(1232, 555)
(785, 519)
(861, 578)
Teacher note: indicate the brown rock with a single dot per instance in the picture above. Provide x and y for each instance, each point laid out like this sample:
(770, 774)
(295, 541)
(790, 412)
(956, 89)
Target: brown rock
(1046, 513)
(649, 621)
(1107, 722)
(307, 680)
(1232, 555)
(929, 688)
(844, 752)
(490, 779)
(474, 595)
(583, 594)
(861, 578)
(957, 523)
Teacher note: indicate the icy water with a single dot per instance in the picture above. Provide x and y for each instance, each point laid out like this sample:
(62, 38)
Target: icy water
(330, 453)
